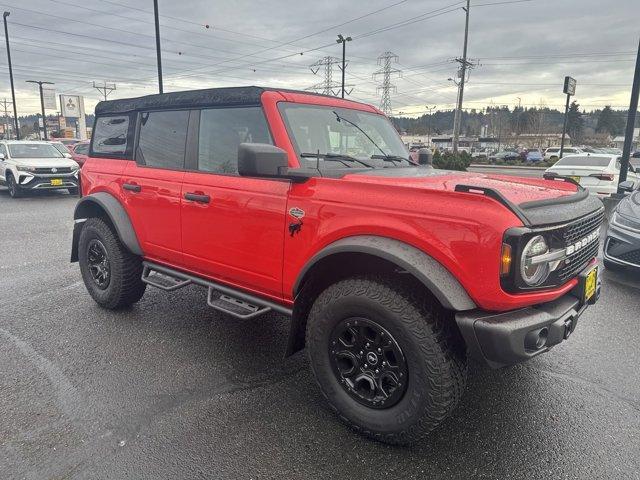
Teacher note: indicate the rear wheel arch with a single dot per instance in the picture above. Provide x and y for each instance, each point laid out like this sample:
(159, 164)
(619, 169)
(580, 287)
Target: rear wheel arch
(105, 206)
(371, 254)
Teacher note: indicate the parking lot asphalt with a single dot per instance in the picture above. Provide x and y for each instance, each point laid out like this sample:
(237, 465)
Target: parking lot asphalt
(172, 389)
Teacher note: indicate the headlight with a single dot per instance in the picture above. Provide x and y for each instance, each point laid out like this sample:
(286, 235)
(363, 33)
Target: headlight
(625, 221)
(25, 168)
(534, 274)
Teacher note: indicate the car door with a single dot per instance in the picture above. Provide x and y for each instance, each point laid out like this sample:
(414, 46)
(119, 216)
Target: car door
(151, 185)
(232, 227)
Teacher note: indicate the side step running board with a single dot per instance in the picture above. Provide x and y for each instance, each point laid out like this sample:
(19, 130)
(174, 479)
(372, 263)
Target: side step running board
(233, 306)
(221, 297)
(161, 280)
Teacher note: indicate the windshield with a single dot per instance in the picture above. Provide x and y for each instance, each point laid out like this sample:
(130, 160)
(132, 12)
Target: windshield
(340, 134)
(585, 161)
(33, 150)
(60, 147)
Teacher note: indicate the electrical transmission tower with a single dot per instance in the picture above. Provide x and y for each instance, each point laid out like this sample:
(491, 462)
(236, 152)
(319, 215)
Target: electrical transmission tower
(387, 71)
(327, 86)
(105, 89)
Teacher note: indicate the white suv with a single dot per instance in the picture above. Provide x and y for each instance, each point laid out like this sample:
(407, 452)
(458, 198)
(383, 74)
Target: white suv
(553, 153)
(36, 165)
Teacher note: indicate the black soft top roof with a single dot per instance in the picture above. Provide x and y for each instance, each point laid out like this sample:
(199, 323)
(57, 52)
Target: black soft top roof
(230, 96)
(208, 97)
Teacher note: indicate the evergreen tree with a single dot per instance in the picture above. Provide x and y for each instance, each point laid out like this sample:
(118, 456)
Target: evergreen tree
(609, 122)
(575, 123)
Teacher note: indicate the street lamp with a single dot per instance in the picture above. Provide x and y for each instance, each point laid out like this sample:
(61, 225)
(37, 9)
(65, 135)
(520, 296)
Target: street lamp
(343, 41)
(44, 118)
(13, 92)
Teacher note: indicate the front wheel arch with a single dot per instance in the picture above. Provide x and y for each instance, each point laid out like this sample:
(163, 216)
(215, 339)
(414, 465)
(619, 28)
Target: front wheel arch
(371, 255)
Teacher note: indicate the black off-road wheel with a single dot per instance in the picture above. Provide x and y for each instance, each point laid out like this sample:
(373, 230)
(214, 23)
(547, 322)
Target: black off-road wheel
(110, 272)
(14, 189)
(386, 357)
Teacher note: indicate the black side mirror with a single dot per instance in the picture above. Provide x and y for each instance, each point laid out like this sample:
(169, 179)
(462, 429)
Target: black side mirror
(627, 186)
(425, 157)
(261, 160)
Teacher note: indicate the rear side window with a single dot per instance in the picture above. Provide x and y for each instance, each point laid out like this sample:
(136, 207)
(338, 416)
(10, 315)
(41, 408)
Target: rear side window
(222, 130)
(162, 139)
(111, 135)
(585, 161)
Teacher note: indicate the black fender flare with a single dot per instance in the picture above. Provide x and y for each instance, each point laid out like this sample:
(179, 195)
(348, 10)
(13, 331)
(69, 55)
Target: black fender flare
(431, 273)
(89, 206)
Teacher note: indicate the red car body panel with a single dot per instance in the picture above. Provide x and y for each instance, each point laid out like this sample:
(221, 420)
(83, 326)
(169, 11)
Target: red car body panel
(80, 158)
(241, 237)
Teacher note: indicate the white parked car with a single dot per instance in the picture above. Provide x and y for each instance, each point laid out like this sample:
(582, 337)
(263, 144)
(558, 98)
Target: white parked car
(36, 165)
(553, 153)
(597, 172)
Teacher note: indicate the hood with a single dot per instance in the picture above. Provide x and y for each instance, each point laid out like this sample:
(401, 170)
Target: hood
(45, 162)
(517, 190)
(630, 206)
(536, 202)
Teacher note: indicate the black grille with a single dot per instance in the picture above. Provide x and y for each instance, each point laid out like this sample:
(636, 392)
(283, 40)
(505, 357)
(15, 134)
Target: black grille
(49, 170)
(578, 261)
(580, 229)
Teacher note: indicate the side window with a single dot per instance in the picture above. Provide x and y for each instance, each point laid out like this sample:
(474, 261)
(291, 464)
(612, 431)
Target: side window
(111, 135)
(3, 150)
(162, 139)
(222, 130)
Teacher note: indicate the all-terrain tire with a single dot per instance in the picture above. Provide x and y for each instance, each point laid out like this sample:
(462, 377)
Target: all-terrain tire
(432, 346)
(14, 189)
(125, 286)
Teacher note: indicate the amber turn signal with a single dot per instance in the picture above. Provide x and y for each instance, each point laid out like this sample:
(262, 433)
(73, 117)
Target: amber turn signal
(505, 259)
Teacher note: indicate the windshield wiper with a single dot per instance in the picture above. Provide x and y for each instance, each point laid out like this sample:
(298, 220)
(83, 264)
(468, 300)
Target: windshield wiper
(340, 119)
(338, 157)
(392, 158)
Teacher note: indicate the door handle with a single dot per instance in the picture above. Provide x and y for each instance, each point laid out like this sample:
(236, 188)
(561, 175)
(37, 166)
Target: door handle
(196, 197)
(132, 187)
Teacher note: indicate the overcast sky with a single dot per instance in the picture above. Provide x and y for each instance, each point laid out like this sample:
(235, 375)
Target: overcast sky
(524, 48)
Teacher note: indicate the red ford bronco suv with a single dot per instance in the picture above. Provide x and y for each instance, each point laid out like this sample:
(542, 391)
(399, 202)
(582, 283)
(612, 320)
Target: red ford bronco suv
(392, 273)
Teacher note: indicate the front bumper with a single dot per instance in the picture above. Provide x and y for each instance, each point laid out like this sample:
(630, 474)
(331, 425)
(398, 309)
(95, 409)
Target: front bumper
(501, 339)
(622, 246)
(43, 182)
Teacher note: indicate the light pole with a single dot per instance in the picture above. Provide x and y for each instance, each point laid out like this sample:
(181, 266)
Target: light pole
(343, 41)
(158, 54)
(569, 89)
(13, 92)
(44, 118)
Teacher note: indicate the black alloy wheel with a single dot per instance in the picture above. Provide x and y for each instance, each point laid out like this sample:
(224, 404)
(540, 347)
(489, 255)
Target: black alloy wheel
(98, 263)
(368, 362)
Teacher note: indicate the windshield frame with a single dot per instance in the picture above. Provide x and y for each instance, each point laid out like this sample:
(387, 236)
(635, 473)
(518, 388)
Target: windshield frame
(339, 112)
(11, 146)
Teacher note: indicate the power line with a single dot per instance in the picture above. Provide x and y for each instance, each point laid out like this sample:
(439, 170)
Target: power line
(105, 89)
